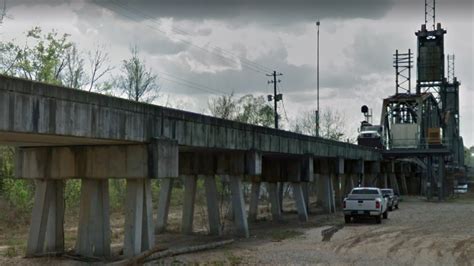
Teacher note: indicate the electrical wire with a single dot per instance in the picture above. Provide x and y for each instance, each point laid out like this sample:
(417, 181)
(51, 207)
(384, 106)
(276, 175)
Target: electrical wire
(181, 31)
(245, 64)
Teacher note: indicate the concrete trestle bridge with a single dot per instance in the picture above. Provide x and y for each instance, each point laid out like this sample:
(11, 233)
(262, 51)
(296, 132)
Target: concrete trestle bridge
(63, 134)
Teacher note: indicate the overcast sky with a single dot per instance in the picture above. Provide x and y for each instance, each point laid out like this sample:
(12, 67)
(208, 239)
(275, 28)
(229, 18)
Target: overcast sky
(248, 39)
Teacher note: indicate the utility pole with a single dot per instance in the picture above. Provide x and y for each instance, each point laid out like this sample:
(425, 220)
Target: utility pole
(317, 80)
(275, 97)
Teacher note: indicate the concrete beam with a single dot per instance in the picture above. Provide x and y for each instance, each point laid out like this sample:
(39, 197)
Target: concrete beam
(93, 234)
(47, 220)
(238, 205)
(139, 229)
(97, 162)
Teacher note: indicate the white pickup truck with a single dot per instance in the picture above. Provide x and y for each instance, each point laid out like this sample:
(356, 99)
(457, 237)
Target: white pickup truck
(365, 202)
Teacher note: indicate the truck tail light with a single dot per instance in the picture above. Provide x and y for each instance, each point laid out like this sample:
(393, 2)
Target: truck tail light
(377, 204)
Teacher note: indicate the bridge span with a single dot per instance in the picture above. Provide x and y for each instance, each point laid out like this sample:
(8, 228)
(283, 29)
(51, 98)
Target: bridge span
(63, 134)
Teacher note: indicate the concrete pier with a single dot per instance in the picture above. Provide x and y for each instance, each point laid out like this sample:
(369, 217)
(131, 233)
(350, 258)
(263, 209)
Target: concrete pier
(212, 205)
(139, 231)
(300, 202)
(254, 199)
(47, 220)
(188, 204)
(274, 201)
(238, 205)
(93, 235)
(166, 188)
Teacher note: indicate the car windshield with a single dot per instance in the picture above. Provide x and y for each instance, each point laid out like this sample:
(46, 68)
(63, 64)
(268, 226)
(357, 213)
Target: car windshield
(387, 191)
(365, 191)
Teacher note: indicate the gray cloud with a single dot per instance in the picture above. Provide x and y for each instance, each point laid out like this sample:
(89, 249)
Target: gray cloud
(235, 12)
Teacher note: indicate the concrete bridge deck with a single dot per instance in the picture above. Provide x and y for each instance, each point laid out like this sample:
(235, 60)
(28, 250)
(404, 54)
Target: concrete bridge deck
(63, 133)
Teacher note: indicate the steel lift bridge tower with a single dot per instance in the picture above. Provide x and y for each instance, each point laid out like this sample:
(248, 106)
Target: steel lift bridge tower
(423, 126)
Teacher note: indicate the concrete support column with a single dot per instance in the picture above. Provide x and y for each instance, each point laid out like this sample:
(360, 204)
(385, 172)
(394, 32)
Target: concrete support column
(47, 220)
(394, 183)
(349, 180)
(281, 190)
(93, 234)
(188, 204)
(166, 187)
(338, 189)
(385, 180)
(300, 201)
(254, 198)
(403, 182)
(238, 205)
(305, 188)
(325, 193)
(274, 201)
(139, 231)
(212, 205)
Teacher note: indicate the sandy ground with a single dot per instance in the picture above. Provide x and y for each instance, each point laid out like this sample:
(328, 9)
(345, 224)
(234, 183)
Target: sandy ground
(419, 233)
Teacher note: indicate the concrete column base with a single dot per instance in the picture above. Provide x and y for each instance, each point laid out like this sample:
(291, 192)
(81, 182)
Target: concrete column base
(254, 198)
(212, 205)
(166, 187)
(188, 204)
(300, 202)
(139, 231)
(47, 220)
(238, 205)
(93, 234)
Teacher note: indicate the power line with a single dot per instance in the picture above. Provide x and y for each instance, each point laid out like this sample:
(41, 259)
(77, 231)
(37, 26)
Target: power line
(192, 84)
(181, 31)
(245, 64)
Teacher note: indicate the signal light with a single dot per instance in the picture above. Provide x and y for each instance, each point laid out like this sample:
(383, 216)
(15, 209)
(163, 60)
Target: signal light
(377, 204)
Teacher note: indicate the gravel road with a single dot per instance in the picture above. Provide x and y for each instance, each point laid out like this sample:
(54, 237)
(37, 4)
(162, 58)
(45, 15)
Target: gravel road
(419, 233)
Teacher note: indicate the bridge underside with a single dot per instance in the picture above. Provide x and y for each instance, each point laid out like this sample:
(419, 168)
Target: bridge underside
(64, 134)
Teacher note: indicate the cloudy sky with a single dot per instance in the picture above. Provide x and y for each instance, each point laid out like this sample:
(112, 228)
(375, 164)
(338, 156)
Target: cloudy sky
(205, 48)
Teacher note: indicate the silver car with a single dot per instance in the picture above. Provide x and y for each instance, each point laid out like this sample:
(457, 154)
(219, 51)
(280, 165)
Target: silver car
(393, 198)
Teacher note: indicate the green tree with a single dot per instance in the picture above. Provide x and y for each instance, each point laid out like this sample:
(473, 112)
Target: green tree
(332, 124)
(255, 111)
(136, 82)
(225, 107)
(53, 58)
(247, 109)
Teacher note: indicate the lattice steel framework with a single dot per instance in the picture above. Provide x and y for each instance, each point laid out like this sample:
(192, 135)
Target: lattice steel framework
(403, 63)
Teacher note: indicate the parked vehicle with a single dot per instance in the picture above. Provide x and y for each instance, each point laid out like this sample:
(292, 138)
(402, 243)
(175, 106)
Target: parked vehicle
(365, 202)
(392, 198)
(461, 188)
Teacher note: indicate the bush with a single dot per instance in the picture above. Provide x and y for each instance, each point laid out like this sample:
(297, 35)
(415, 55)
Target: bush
(19, 193)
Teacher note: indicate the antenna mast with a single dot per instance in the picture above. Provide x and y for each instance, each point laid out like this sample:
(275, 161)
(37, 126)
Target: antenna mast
(430, 11)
